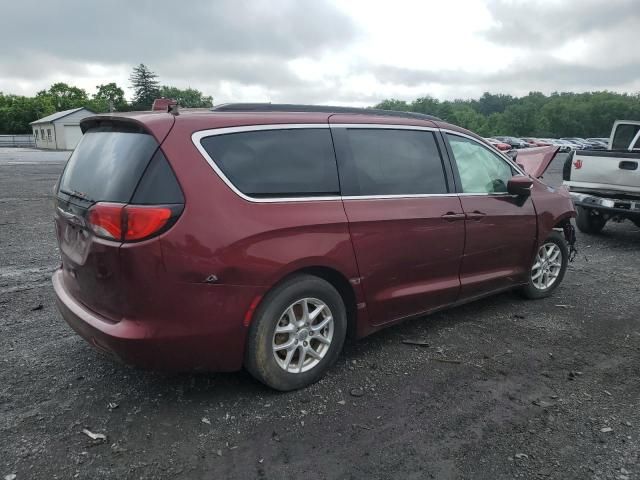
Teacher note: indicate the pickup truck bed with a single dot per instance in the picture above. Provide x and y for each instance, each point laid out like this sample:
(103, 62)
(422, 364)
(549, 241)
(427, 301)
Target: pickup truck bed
(604, 185)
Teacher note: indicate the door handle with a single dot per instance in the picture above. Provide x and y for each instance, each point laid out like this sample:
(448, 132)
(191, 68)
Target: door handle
(452, 217)
(628, 165)
(476, 215)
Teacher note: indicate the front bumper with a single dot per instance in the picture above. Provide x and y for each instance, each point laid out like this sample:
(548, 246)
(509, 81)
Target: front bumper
(614, 206)
(211, 345)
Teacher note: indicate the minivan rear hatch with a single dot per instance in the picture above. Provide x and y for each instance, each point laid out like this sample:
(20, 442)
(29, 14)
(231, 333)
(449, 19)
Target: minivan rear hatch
(117, 186)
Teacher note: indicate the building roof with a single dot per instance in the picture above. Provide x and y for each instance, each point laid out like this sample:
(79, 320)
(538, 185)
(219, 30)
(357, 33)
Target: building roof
(58, 115)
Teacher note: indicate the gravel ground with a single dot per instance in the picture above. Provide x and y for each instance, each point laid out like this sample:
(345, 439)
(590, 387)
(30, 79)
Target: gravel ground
(539, 389)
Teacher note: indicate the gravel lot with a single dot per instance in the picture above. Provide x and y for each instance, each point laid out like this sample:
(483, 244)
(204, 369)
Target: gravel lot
(543, 389)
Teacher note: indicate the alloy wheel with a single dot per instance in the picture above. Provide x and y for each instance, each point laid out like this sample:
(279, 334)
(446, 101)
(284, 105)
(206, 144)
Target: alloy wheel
(303, 335)
(547, 266)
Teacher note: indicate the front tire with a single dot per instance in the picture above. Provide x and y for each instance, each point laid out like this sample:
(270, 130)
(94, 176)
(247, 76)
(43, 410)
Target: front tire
(297, 333)
(549, 267)
(590, 221)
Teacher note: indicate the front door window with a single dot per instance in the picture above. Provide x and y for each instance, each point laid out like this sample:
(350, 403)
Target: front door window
(481, 170)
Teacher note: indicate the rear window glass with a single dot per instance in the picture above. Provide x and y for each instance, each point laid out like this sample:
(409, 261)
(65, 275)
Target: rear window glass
(158, 184)
(277, 162)
(391, 162)
(623, 136)
(107, 165)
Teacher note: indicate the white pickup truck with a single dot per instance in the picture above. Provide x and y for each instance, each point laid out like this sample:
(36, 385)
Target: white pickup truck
(605, 184)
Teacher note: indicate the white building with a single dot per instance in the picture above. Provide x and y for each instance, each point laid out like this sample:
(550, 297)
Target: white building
(60, 130)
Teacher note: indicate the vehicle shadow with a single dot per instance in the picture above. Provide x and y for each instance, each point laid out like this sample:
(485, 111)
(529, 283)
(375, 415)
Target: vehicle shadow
(624, 235)
(236, 386)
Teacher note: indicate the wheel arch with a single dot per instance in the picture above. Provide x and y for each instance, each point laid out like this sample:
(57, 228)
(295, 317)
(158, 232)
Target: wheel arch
(337, 280)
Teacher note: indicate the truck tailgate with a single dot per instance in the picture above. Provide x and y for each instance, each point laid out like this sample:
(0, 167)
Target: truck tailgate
(606, 170)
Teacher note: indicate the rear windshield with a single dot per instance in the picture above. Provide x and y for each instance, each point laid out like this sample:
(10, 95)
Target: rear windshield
(107, 164)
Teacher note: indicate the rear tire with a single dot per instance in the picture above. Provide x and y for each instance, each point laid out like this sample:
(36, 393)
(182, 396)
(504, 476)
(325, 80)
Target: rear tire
(589, 221)
(548, 269)
(311, 320)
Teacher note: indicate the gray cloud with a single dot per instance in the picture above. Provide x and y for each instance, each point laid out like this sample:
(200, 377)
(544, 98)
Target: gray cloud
(536, 25)
(540, 73)
(122, 31)
(245, 48)
(196, 42)
(249, 70)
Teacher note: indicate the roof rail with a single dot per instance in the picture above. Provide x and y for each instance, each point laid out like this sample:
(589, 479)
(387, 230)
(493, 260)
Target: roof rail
(290, 107)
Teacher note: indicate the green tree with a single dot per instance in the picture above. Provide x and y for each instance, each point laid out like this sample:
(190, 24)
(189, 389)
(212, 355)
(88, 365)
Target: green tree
(465, 116)
(65, 97)
(427, 105)
(108, 95)
(188, 98)
(16, 112)
(393, 104)
(489, 103)
(567, 114)
(145, 86)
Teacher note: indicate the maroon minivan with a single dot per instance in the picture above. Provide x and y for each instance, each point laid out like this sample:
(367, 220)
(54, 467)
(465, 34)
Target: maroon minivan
(262, 235)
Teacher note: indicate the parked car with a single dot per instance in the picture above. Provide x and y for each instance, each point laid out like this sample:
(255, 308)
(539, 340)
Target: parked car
(565, 147)
(536, 142)
(605, 185)
(262, 235)
(504, 147)
(599, 143)
(585, 144)
(513, 141)
(576, 142)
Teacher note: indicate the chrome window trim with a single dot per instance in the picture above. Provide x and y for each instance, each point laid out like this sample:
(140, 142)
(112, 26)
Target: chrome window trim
(383, 126)
(494, 151)
(397, 196)
(196, 138)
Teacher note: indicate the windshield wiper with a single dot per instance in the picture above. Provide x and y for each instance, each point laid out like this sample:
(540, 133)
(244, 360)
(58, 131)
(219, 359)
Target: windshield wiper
(76, 194)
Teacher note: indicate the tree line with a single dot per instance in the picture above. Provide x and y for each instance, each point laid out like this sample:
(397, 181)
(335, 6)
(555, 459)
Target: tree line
(557, 115)
(17, 111)
(537, 115)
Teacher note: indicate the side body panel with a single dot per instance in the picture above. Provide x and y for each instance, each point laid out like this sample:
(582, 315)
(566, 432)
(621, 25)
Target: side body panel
(607, 171)
(245, 243)
(409, 256)
(408, 247)
(501, 234)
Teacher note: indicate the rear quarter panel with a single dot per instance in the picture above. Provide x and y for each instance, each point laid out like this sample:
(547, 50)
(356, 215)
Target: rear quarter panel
(245, 243)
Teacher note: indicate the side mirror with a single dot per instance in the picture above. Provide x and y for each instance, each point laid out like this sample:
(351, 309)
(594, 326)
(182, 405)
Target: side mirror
(520, 185)
(513, 154)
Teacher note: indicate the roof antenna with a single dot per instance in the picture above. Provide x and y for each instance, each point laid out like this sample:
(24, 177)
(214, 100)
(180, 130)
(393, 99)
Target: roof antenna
(173, 109)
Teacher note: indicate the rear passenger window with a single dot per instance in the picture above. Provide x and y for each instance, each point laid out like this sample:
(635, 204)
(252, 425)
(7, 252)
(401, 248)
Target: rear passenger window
(390, 162)
(277, 163)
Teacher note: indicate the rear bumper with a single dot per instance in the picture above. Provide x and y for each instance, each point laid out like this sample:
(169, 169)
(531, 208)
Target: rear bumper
(615, 206)
(209, 345)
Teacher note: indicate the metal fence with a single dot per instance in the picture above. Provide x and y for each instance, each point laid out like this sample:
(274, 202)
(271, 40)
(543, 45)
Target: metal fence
(17, 141)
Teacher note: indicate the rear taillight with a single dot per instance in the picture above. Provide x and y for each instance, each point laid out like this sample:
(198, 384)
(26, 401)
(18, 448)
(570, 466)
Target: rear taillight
(105, 219)
(128, 223)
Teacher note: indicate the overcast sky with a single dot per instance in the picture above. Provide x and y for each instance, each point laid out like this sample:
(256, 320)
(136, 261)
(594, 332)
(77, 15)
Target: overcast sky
(355, 52)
